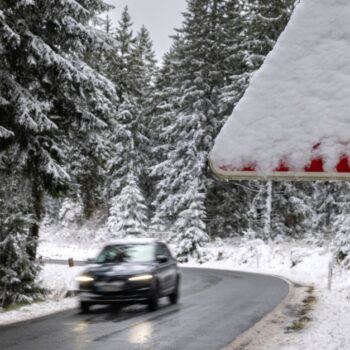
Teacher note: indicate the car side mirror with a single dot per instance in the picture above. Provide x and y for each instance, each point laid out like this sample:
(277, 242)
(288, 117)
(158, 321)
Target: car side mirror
(162, 259)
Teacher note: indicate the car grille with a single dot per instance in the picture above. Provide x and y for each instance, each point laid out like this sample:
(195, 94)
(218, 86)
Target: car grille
(109, 278)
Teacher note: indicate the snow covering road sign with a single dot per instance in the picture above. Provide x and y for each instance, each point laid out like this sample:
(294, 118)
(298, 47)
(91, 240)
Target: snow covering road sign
(294, 120)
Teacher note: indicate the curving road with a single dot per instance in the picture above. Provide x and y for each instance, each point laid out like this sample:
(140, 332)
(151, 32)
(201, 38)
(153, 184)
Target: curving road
(215, 308)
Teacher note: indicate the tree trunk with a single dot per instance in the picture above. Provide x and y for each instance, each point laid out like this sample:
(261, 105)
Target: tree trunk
(37, 201)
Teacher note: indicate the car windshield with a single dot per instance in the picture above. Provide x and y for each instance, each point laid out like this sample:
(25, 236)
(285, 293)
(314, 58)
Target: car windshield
(127, 253)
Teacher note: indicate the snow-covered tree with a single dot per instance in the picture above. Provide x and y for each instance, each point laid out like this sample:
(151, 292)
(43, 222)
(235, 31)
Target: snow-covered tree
(17, 270)
(131, 69)
(190, 226)
(164, 108)
(228, 205)
(128, 213)
(266, 20)
(190, 113)
(291, 209)
(127, 158)
(342, 240)
(50, 93)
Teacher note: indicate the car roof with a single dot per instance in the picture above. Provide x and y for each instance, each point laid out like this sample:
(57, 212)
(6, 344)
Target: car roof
(134, 240)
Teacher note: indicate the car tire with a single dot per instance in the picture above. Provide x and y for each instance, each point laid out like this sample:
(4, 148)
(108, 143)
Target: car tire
(115, 307)
(174, 296)
(154, 297)
(84, 307)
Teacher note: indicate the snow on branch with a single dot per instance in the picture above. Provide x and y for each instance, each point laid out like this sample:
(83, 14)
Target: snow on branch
(5, 134)
(76, 70)
(31, 112)
(54, 169)
(8, 35)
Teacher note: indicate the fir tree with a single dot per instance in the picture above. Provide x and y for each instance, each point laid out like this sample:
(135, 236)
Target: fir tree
(128, 213)
(49, 94)
(266, 20)
(207, 73)
(292, 208)
(200, 65)
(162, 114)
(190, 225)
(133, 66)
(18, 272)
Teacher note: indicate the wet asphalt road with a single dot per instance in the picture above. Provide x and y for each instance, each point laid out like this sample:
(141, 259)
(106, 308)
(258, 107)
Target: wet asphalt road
(215, 307)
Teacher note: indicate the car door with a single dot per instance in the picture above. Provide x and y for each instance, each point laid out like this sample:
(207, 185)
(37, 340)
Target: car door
(167, 270)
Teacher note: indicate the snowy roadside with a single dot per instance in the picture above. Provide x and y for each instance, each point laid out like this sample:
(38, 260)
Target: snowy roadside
(298, 262)
(58, 279)
(330, 317)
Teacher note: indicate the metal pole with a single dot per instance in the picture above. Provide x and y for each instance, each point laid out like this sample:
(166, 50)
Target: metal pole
(267, 227)
(330, 274)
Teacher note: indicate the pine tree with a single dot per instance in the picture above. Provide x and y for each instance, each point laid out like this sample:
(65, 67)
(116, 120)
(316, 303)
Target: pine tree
(190, 225)
(17, 271)
(87, 167)
(131, 69)
(49, 95)
(122, 62)
(228, 205)
(200, 68)
(266, 20)
(207, 72)
(329, 203)
(163, 111)
(145, 69)
(127, 157)
(233, 49)
(128, 214)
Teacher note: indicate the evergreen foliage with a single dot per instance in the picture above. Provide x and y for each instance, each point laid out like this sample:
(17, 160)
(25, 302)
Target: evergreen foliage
(86, 112)
(18, 272)
(266, 20)
(199, 69)
(50, 94)
(132, 69)
(128, 213)
(204, 76)
(190, 225)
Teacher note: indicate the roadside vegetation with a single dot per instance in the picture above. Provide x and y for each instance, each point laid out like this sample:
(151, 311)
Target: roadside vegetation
(92, 129)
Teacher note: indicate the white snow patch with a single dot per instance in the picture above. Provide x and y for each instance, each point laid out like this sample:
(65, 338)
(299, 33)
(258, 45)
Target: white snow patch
(37, 310)
(58, 279)
(64, 242)
(297, 106)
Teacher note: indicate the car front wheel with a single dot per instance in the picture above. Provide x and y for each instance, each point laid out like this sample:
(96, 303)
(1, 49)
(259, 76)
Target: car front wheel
(174, 296)
(84, 307)
(154, 297)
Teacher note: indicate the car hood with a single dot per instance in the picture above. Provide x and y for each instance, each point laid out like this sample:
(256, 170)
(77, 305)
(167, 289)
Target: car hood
(122, 269)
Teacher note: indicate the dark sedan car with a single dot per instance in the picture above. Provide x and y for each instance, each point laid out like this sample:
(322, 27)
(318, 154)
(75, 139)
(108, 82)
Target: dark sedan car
(128, 272)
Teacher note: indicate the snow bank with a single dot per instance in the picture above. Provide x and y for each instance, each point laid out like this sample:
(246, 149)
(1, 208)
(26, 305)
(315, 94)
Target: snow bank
(297, 107)
(58, 279)
(61, 242)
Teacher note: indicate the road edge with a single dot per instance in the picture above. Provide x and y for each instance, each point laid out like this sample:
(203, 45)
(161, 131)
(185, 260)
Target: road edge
(270, 325)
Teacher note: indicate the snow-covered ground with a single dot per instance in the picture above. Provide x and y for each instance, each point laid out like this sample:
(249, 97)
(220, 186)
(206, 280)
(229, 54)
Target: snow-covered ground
(58, 279)
(296, 261)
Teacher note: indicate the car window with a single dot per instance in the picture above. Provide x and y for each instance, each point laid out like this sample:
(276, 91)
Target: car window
(163, 250)
(127, 253)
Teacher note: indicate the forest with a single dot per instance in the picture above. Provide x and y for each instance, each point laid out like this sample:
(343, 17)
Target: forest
(92, 126)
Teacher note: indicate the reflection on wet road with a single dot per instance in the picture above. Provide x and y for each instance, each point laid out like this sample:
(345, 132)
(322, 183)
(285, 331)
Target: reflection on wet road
(214, 308)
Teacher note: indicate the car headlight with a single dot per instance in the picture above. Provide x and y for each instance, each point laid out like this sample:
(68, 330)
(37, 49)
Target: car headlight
(84, 278)
(141, 278)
